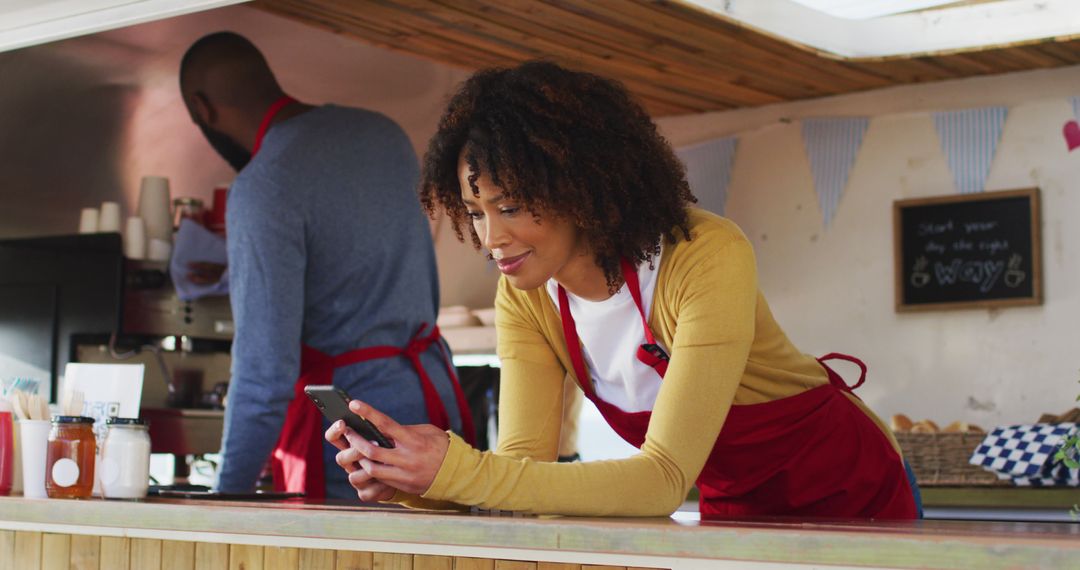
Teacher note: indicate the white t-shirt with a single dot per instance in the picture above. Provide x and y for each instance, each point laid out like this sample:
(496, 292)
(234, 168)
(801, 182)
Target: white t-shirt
(610, 333)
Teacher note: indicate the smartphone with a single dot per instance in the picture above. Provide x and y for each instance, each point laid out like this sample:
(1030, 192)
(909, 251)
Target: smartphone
(333, 402)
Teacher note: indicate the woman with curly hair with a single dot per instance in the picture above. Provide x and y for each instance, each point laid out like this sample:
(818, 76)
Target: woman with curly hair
(652, 306)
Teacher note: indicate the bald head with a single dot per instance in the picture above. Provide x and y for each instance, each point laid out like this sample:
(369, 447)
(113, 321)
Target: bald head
(228, 70)
(227, 86)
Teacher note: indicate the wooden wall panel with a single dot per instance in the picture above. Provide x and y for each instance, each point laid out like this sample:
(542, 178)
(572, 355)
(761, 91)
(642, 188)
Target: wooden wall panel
(85, 552)
(177, 555)
(514, 565)
(245, 557)
(351, 560)
(27, 550)
(7, 550)
(312, 559)
(280, 558)
(115, 553)
(145, 554)
(209, 556)
(391, 561)
(423, 562)
(474, 564)
(55, 551)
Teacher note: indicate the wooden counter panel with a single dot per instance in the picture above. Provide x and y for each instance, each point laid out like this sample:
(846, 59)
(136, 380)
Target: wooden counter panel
(225, 536)
(51, 551)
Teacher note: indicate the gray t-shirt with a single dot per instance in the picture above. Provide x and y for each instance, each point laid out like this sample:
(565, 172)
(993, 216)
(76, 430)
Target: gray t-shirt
(328, 247)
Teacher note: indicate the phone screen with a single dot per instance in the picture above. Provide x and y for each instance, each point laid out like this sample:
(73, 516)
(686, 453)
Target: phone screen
(333, 402)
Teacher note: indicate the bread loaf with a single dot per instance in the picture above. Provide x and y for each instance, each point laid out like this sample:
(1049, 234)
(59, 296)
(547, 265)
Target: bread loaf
(925, 426)
(900, 423)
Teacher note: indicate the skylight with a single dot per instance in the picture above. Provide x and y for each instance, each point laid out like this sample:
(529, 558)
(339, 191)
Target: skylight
(862, 9)
(30, 22)
(872, 29)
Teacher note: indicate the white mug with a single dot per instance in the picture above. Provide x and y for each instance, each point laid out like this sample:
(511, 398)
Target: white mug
(135, 238)
(88, 221)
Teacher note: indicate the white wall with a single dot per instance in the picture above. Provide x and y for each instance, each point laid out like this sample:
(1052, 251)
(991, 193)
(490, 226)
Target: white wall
(832, 289)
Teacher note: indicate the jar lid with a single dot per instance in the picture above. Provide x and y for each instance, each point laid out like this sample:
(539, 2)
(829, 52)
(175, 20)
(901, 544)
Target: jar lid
(72, 420)
(125, 422)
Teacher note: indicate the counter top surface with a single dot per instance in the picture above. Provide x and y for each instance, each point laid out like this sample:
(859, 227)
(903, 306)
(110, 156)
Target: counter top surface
(924, 544)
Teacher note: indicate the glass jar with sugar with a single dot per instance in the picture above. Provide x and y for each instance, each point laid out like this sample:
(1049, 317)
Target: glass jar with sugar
(125, 459)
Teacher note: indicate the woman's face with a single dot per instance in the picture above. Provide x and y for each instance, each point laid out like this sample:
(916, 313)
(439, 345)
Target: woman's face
(528, 249)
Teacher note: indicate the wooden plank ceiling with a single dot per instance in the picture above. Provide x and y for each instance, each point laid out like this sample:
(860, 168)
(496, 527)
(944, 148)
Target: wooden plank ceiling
(675, 58)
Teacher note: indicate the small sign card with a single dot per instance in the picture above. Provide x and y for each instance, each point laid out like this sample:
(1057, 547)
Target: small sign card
(108, 390)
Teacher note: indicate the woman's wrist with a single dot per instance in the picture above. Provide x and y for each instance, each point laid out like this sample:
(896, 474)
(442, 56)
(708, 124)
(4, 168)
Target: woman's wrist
(444, 476)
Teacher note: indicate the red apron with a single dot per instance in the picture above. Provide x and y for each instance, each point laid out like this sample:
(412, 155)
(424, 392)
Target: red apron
(813, 454)
(297, 461)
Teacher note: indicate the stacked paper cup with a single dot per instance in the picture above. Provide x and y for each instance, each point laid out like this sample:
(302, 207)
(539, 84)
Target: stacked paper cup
(88, 221)
(109, 220)
(135, 238)
(154, 208)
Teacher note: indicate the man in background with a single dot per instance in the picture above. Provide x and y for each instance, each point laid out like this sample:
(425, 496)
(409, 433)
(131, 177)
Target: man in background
(329, 254)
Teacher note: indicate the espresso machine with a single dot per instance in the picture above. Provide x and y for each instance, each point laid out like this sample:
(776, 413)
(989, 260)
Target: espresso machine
(184, 346)
(78, 299)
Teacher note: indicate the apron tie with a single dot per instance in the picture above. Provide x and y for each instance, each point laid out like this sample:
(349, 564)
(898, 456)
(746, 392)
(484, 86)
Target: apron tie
(835, 379)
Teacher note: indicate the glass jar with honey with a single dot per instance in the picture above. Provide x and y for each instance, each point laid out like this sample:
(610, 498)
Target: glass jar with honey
(69, 462)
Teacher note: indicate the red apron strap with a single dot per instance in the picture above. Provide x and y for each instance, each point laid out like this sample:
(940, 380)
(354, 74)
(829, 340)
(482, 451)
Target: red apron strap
(573, 344)
(435, 408)
(632, 283)
(275, 108)
(418, 344)
(835, 378)
(650, 353)
(467, 424)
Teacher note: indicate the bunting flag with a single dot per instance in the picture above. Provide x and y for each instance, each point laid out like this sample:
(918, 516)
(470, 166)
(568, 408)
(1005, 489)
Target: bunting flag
(1071, 130)
(831, 147)
(969, 139)
(708, 170)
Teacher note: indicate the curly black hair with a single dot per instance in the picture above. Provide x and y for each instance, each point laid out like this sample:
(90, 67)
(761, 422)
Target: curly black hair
(564, 143)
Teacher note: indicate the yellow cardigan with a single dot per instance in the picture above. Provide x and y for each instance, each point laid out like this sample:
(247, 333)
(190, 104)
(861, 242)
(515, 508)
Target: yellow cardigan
(725, 348)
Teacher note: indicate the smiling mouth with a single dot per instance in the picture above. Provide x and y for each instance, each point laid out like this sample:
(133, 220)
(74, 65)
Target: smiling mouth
(510, 265)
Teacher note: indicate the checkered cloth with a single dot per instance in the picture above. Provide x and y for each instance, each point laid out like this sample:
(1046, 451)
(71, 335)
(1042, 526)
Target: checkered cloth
(1025, 454)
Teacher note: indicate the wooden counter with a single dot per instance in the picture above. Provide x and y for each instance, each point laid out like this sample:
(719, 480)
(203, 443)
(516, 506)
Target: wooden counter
(173, 534)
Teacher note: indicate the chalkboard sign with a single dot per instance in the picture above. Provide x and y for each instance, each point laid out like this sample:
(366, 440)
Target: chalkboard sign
(968, 251)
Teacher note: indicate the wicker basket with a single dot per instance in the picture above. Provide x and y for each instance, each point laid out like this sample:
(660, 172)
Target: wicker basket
(940, 459)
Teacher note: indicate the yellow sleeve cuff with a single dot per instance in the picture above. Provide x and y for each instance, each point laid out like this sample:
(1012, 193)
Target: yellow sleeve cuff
(455, 453)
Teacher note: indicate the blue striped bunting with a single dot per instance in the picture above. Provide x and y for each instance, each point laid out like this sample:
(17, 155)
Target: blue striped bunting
(708, 170)
(1075, 107)
(831, 147)
(969, 139)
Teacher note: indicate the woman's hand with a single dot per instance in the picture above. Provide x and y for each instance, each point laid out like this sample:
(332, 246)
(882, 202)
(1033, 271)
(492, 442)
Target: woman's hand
(367, 488)
(375, 472)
